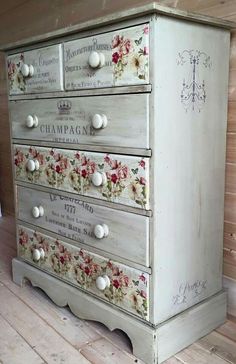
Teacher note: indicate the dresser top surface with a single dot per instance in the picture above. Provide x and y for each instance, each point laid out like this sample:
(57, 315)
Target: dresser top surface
(112, 12)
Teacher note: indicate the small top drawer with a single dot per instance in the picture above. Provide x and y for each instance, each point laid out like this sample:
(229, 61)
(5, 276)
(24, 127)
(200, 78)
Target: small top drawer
(115, 58)
(39, 70)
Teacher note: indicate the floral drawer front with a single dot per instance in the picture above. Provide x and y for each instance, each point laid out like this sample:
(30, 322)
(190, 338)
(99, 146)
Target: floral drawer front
(46, 64)
(125, 55)
(126, 178)
(128, 287)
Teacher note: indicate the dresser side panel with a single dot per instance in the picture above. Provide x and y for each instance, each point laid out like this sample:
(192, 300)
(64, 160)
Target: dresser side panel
(190, 91)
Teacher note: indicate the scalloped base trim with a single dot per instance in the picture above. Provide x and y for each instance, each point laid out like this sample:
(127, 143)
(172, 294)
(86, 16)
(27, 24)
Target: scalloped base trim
(153, 345)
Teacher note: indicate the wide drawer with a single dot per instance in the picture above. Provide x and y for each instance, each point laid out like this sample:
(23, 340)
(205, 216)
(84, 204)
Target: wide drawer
(81, 120)
(39, 70)
(116, 178)
(119, 284)
(115, 58)
(100, 227)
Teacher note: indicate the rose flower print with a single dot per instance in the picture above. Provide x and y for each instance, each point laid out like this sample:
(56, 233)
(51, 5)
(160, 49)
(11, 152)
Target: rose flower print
(125, 179)
(15, 77)
(131, 54)
(128, 288)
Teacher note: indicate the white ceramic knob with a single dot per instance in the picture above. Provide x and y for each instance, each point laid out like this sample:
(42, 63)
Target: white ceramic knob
(32, 121)
(96, 60)
(99, 178)
(99, 121)
(27, 70)
(101, 231)
(38, 254)
(37, 211)
(31, 70)
(42, 253)
(102, 282)
(33, 165)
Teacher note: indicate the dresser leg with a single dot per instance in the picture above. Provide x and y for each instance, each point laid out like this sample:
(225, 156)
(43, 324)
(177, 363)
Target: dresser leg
(17, 274)
(185, 328)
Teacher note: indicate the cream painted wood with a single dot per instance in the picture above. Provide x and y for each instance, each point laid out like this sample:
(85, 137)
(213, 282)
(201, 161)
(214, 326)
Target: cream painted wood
(116, 58)
(202, 320)
(90, 200)
(71, 120)
(120, 285)
(115, 178)
(38, 70)
(91, 248)
(77, 219)
(90, 335)
(88, 147)
(136, 89)
(188, 165)
(150, 344)
(187, 68)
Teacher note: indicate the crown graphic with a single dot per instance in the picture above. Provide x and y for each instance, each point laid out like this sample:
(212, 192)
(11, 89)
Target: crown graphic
(64, 106)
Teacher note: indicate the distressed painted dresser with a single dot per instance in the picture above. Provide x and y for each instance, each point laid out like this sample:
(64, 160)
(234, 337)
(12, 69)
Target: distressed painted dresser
(118, 141)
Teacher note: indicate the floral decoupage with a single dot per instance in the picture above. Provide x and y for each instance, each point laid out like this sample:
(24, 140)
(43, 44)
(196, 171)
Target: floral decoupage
(126, 176)
(130, 55)
(16, 81)
(128, 287)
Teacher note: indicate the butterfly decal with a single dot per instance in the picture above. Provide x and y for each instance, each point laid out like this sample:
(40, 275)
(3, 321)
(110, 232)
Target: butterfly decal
(138, 41)
(135, 171)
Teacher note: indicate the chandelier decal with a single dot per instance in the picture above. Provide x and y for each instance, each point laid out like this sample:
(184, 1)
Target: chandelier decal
(193, 94)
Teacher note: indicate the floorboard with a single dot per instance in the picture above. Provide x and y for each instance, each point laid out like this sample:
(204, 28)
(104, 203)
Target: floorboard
(13, 348)
(34, 330)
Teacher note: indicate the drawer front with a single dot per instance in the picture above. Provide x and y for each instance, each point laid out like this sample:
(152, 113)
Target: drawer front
(124, 286)
(112, 59)
(46, 65)
(83, 222)
(71, 120)
(115, 178)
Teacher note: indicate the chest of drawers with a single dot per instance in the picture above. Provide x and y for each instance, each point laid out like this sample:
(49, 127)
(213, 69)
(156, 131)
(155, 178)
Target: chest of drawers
(118, 146)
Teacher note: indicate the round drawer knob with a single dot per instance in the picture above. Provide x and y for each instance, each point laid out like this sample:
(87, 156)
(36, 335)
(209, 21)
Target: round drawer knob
(38, 254)
(102, 282)
(33, 165)
(101, 231)
(99, 178)
(32, 121)
(96, 60)
(37, 211)
(31, 70)
(99, 121)
(27, 70)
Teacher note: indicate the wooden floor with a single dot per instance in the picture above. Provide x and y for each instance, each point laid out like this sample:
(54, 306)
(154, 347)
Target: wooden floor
(33, 330)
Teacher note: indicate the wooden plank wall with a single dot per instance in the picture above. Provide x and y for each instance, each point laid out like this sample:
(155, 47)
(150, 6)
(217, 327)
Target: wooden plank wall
(44, 16)
(6, 187)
